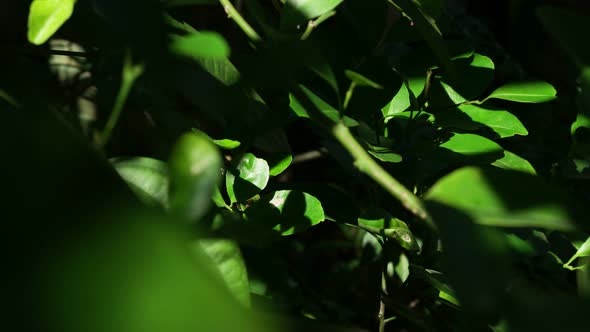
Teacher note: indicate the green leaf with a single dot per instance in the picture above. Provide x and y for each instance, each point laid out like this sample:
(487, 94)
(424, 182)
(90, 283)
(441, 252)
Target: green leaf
(403, 236)
(471, 144)
(385, 154)
(583, 251)
(326, 109)
(230, 265)
(503, 123)
(402, 99)
(379, 218)
(430, 32)
(147, 177)
(480, 286)
(296, 12)
(477, 74)
(402, 268)
(287, 211)
(280, 164)
(201, 45)
(46, 17)
(437, 280)
(503, 198)
(247, 178)
(361, 80)
(379, 221)
(195, 168)
(172, 3)
(512, 161)
(525, 92)
(226, 144)
(167, 281)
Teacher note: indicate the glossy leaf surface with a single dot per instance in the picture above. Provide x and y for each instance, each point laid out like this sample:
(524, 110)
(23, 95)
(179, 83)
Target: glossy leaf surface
(525, 92)
(46, 17)
(247, 178)
(287, 211)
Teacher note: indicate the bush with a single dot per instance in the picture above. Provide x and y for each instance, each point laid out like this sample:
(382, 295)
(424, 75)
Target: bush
(202, 165)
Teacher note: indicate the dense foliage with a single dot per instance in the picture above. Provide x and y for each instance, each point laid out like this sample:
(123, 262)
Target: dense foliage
(329, 165)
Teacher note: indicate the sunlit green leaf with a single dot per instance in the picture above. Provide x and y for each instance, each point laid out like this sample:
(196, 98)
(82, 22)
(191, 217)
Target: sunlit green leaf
(46, 17)
(287, 211)
(195, 169)
(504, 198)
(583, 251)
(279, 164)
(378, 218)
(227, 144)
(172, 3)
(296, 12)
(385, 155)
(228, 262)
(201, 45)
(525, 92)
(402, 268)
(502, 122)
(403, 100)
(471, 144)
(246, 178)
(514, 162)
(147, 177)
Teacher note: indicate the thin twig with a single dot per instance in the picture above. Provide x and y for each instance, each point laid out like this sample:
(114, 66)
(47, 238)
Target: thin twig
(309, 155)
(348, 95)
(313, 24)
(240, 21)
(369, 166)
(381, 314)
(130, 74)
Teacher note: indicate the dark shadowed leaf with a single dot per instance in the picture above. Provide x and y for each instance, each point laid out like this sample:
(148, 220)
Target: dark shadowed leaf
(479, 285)
(361, 80)
(326, 109)
(430, 32)
(476, 75)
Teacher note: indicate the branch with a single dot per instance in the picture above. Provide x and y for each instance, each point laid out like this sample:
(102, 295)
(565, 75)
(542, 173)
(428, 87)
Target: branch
(240, 21)
(369, 166)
